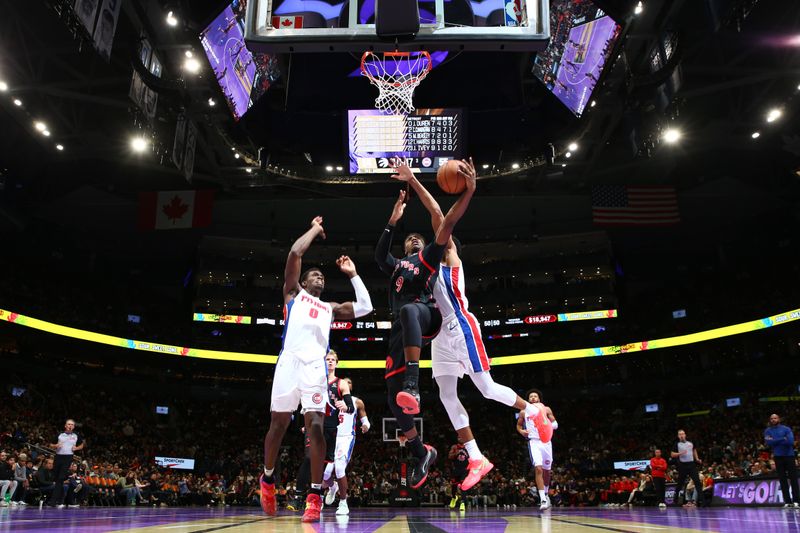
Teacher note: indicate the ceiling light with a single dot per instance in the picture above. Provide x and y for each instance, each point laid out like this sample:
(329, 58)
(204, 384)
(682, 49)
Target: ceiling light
(3, 86)
(189, 54)
(638, 9)
(755, 135)
(248, 170)
(339, 169)
(515, 166)
(17, 102)
(563, 165)
(191, 65)
(60, 147)
(40, 126)
(774, 114)
(46, 133)
(573, 147)
(171, 19)
(671, 135)
(212, 102)
(485, 166)
(329, 168)
(568, 155)
(593, 103)
(237, 156)
(139, 144)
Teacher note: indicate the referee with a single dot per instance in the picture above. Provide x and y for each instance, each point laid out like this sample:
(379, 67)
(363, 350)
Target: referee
(67, 443)
(687, 459)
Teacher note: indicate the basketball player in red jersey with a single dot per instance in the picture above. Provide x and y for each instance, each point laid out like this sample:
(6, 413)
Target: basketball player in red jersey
(300, 374)
(416, 317)
(459, 348)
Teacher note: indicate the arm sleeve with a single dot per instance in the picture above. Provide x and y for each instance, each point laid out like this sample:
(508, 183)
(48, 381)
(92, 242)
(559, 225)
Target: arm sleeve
(348, 401)
(432, 255)
(363, 303)
(383, 256)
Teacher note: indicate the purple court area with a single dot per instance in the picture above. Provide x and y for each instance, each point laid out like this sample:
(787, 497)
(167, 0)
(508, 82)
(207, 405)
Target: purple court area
(231, 61)
(428, 520)
(582, 62)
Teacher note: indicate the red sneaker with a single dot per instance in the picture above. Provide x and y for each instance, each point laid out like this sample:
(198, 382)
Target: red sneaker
(477, 469)
(268, 503)
(313, 508)
(536, 413)
(408, 400)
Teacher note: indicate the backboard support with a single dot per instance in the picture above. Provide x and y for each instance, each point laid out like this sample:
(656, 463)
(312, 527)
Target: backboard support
(281, 26)
(392, 432)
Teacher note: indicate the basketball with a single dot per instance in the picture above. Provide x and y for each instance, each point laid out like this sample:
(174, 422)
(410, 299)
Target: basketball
(448, 178)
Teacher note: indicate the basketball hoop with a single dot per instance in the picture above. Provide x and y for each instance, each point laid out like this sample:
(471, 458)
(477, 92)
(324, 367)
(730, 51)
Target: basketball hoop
(396, 75)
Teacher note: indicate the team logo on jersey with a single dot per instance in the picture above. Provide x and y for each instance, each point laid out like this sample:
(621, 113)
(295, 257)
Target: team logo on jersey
(317, 398)
(389, 362)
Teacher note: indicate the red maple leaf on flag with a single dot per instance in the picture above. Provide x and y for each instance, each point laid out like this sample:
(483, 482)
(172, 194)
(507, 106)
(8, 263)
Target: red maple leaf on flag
(287, 22)
(175, 209)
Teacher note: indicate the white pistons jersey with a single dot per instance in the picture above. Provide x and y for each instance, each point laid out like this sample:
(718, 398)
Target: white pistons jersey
(307, 327)
(450, 292)
(347, 421)
(530, 427)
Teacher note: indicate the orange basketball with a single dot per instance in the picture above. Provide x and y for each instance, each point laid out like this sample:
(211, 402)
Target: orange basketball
(448, 178)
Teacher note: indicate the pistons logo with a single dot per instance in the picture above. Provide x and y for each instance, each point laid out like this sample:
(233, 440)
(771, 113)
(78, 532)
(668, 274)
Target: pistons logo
(317, 398)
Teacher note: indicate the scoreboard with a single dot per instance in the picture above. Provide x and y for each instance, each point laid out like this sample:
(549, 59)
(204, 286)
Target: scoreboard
(425, 140)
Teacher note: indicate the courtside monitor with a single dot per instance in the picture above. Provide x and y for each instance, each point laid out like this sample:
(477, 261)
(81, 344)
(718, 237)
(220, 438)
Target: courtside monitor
(733, 402)
(349, 26)
(162, 410)
(424, 140)
(679, 313)
(583, 40)
(651, 408)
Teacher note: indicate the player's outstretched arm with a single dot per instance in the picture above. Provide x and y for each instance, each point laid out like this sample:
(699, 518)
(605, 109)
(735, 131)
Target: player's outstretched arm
(362, 415)
(383, 255)
(362, 305)
(404, 174)
(294, 262)
(467, 171)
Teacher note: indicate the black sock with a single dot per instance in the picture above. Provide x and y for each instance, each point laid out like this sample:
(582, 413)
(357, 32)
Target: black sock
(316, 488)
(417, 448)
(412, 373)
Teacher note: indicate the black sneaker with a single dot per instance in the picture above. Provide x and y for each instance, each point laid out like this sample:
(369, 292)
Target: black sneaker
(419, 474)
(408, 398)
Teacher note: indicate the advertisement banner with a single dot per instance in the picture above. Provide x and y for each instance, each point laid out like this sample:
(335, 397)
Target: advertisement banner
(225, 319)
(748, 492)
(587, 315)
(175, 462)
(631, 465)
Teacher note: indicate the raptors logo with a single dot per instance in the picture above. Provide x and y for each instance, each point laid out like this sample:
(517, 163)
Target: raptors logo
(389, 362)
(317, 398)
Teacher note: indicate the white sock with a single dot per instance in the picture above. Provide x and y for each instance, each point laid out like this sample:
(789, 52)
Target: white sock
(268, 471)
(543, 496)
(473, 450)
(342, 501)
(547, 489)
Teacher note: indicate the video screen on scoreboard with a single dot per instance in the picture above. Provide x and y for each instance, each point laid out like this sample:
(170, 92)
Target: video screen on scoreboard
(582, 38)
(425, 140)
(651, 408)
(733, 402)
(242, 76)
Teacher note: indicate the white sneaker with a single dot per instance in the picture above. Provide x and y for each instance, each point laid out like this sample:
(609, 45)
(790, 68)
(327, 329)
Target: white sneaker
(545, 505)
(23, 503)
(662, 505)
(788, 506)
(343, 508)
(74, 506)
(796, 505)
(14, 504)
(330, 496)
(3, 503)
(60, 506)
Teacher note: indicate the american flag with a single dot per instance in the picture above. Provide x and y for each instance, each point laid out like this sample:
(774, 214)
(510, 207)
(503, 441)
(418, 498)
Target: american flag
(622, 205)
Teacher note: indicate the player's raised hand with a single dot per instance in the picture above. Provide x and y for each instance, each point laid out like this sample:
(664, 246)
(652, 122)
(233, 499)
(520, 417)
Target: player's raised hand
(317, 224)
(399, 208)
(467, 170)
(346, 265)
(403, 173)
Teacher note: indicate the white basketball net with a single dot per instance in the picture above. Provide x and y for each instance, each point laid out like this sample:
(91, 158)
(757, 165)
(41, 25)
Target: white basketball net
(396, 75)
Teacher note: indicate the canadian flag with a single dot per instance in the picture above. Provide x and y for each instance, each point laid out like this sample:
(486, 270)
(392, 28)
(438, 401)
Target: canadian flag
(285, 23)
(175, 209)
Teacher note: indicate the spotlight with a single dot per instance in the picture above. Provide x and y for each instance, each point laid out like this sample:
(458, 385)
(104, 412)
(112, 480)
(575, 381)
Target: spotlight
(248, 170)
(568, 155)
(171, 19)
(191, 65)
(593, 103)
(755, 135)
(17, 102)
(485, 166)
(515, 166)
(573, 147)
(60, 147)
(211, 102)
(339, 169)
(139, 144)
(638, 9)
(3, 86)
(46, 133)
(329, 168)
(774, 114)
(563, 165)
(40, 126)
(671, 135)
(189, 54)
(237, 156)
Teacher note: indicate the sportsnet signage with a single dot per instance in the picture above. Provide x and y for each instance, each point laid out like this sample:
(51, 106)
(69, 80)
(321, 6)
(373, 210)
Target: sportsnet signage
(631, 465)
(175, 462)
